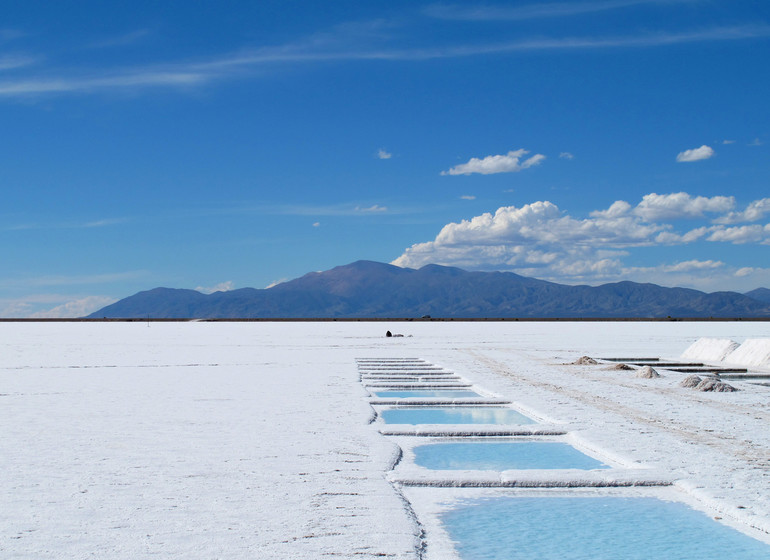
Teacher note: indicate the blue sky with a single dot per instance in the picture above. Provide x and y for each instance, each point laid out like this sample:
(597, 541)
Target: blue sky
(220, 145)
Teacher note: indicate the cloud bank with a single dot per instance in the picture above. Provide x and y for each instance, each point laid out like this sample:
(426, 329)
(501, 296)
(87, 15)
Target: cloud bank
(541, 240)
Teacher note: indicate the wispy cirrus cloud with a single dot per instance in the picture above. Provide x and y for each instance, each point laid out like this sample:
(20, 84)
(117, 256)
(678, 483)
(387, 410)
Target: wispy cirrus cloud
(65, 225)
(129, 38)
(534, 11)
(85, 279)
(349, 42)
(373, 209)
(14, 61)
(7, 34)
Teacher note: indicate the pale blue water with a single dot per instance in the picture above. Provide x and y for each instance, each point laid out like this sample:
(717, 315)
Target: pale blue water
(439, 393)
(454, 415)
(499, 456)
(593, 529)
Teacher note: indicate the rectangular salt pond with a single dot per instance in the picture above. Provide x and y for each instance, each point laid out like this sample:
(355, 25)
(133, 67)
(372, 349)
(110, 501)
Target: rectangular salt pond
(454, 415)
(438, 393)
(503, 455)
(593, 528)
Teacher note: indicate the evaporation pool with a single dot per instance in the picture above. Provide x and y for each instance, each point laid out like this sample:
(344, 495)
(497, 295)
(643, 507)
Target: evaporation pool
(454, 415)
(438, 393)
(593, 528)
(503, 455)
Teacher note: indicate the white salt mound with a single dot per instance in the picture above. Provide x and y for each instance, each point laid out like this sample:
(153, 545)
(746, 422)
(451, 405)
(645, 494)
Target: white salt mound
(619, 367)
(755, 352)
(647, 373)
(709, 350)
(690, 382)
(714, 386)
(584, 361)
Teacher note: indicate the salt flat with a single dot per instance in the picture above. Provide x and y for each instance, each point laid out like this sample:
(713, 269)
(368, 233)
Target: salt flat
(256, 440)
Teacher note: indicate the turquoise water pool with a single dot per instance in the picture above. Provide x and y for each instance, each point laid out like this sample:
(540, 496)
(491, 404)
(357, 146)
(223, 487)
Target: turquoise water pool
(587, 528)
(499, 456)
(438, 393)
(454, 415)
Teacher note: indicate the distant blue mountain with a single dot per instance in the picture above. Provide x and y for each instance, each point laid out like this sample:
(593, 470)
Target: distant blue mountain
(367, 289)
(760, 294)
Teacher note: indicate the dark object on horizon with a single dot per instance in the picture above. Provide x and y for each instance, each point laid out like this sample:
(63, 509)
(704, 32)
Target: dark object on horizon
(388, 334)
(366, 289)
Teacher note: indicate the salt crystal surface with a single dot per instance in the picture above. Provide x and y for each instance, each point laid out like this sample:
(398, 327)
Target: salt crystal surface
(239, 440)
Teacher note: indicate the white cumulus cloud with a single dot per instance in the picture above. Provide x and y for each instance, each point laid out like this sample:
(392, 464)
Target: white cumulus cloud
(755, 211)
(382, 154)
(741, 234)
(696, 154)
(681, 205)
(506, 163)
(541, 240)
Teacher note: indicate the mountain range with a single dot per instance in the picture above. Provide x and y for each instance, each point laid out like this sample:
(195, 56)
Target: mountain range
(366, 289)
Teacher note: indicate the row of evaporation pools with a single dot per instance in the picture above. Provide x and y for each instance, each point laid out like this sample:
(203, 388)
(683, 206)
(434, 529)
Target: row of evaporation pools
(455, 435)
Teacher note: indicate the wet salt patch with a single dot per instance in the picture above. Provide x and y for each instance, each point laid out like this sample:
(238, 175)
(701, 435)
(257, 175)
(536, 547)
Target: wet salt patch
(502, 456)
(453, 415)
(587, 528)
(434, 504)
(438, 393)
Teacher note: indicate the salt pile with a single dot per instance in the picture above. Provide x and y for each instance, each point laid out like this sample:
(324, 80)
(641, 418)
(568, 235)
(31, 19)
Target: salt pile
(714, 386)
(647, 373)
(584, 361)
(690, 382)
(753, 352)
(709, 350)
(619, 367)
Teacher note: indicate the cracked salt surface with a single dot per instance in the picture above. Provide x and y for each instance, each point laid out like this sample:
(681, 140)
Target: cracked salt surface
(258, 443)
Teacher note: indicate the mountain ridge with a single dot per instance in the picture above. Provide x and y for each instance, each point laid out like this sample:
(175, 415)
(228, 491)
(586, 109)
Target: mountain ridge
(368, 289)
